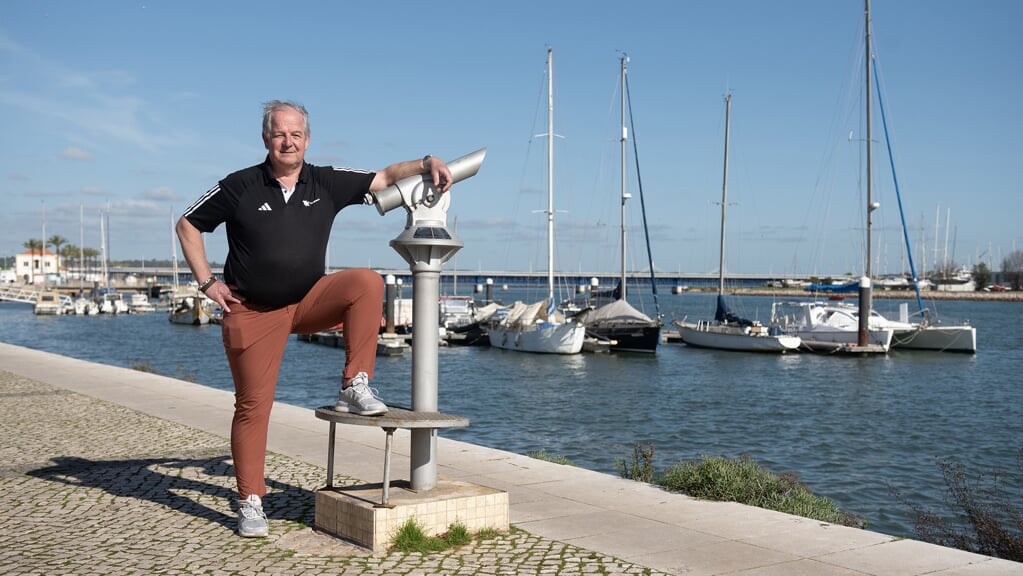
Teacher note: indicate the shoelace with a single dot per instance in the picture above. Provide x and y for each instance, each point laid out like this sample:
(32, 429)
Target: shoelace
(364, 390)
(250, 512)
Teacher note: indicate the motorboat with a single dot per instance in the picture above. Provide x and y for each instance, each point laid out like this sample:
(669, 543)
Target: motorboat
(139, 303)
(48, 303)
(829, 326)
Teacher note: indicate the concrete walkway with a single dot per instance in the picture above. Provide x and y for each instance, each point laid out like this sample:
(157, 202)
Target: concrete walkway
(106, 470)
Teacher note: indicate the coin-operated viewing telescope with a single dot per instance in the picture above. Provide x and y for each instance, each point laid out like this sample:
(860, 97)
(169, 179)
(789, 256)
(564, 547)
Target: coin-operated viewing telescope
(425, 244)
(426, 239)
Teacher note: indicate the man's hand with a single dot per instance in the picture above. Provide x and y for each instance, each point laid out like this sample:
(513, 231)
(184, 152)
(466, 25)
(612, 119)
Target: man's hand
(441, 174)
(222, 294)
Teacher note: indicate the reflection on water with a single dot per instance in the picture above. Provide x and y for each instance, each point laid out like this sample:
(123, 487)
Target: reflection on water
(848, 426)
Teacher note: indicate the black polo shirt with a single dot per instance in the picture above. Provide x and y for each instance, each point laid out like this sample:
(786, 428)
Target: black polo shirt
(276, 251)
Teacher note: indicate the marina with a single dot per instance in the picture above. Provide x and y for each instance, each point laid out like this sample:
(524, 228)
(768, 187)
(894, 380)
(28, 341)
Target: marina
(853, 428)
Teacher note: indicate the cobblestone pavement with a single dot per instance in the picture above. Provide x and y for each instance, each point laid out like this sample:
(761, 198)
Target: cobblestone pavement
(89, 487)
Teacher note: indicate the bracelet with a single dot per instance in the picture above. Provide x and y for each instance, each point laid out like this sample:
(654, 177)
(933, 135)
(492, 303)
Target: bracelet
(207, 283)
(426, 162)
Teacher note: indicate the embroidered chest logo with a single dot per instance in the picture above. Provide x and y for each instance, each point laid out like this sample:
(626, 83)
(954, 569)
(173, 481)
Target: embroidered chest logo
(310, 202)
(265, 207)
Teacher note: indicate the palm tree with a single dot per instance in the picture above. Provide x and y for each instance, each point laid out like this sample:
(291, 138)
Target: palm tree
(70, 253)
(90, 254)
(34, 244)
(57, 240)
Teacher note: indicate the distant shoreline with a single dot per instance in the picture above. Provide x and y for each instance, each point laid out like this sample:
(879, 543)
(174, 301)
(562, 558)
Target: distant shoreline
(1016, 296)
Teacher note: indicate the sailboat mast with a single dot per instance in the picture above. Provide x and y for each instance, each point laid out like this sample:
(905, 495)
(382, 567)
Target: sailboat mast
(42, 251)
(624, 139)
(724, 196)
(81, 250)
(870, 172)
(863, 332)
(103, 248)
(550, 176)
(174, 254)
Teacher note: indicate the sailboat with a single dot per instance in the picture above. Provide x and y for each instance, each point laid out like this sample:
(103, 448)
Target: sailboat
(926, 334)
(833, 328)
(617, 322)
(188, 305)
(728, 331)
(540, 327)
(81, 304)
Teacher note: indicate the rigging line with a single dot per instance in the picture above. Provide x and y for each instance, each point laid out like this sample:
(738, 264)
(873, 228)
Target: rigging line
(642, 202)
(898, 195)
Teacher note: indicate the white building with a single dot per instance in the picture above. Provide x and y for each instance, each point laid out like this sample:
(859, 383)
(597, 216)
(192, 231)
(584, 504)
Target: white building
(32, 267)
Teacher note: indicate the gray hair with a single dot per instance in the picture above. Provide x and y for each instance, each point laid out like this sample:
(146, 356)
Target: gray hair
(274, 105)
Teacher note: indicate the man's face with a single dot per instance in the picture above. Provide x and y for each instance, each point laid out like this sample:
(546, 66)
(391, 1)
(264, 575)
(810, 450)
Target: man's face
(287, 141)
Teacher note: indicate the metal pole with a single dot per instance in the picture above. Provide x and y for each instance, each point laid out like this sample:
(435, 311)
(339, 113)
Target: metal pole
(425, 341)
(389, 284)
(863, 335)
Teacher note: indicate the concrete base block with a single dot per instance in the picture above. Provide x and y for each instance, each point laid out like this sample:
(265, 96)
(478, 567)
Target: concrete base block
(354, 513)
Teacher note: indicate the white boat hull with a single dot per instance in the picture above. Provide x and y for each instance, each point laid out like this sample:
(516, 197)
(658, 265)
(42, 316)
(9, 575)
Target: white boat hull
(940, 338)
(540, 338)
(737, 338)
(46, 310)
(48, 304)
(85, 307)
(190, 311)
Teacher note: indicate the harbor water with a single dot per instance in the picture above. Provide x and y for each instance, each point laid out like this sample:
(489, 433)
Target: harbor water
(855, 429)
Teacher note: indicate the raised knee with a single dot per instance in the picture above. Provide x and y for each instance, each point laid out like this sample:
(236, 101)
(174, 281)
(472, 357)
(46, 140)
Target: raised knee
(373, 281)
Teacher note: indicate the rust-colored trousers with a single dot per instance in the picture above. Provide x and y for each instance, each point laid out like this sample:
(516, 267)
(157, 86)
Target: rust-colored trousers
(255, 337)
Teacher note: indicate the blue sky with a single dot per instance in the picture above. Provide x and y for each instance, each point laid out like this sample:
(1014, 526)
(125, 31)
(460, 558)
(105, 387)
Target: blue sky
(142, 106)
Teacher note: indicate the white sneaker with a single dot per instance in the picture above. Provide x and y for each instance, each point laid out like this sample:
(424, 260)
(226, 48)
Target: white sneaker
(251, 519)
(359, 398)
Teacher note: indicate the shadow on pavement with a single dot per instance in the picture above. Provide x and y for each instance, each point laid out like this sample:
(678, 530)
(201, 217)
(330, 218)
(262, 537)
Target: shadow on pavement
(180, 484)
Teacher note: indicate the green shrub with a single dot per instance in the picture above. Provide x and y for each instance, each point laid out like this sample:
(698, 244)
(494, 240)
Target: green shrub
(744, 481)
(143, 366)
(543, 455)
(640, 466)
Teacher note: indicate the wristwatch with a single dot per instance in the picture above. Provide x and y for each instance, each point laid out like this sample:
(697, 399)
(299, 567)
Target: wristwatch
(426, 162)
(207, 283)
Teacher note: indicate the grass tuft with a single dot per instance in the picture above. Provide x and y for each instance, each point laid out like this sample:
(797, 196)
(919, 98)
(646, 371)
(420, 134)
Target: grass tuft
(543, 455)
(410, 538)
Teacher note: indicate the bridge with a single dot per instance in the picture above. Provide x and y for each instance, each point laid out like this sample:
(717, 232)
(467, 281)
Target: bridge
(27, 294)
(146, 276)
(156, 281)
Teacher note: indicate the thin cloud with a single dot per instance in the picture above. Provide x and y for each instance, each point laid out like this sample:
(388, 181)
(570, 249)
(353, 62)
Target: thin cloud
(99, 103)
(75, 153)
(160, 194)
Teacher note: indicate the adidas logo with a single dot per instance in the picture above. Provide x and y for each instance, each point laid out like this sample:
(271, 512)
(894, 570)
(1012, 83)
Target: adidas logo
(265, 207)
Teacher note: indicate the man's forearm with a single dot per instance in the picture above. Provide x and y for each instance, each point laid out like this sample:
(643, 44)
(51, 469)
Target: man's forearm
(193, 249)
(395, 172)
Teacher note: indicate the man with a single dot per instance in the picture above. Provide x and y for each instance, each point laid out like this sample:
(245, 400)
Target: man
(278, 216)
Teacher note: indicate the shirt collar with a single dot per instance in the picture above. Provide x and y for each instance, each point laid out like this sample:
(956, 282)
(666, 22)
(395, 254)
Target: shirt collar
(268, 175)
